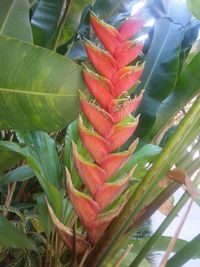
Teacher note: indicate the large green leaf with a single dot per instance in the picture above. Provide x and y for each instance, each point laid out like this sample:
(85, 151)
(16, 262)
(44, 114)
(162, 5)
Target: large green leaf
(14, 19)
(38, 88)
(10, 154)
(187, 86)
(42, 154)
(45, 20)
(12, 237)
(162, 63)
(194, 6)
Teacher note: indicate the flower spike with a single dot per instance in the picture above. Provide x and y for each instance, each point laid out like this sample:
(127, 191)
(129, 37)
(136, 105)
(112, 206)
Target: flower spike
(109, 116)
(112, 125)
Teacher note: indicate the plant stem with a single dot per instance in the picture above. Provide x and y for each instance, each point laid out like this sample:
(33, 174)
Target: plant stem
(174, 238)
(123, 256)
(145, 214)
(155, 237)
(147, 247)
(11, 189)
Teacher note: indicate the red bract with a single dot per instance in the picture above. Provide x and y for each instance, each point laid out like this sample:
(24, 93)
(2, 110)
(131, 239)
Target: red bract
(112, 125)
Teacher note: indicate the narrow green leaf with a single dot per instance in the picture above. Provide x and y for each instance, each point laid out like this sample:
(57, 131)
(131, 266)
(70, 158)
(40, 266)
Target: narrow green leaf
(194, 6)
(54, 196)
(43, 213)
(72, 135)
(14, 19)
(185, 253)
(13, 237)
(154, 239)
(38, 89)
(160, 245)
(19, 174)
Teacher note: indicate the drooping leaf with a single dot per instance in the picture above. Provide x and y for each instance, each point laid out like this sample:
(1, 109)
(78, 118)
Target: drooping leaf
(38, 89)
(10, 154)
(13, 237)
(42, 155)
(19, 174)
(14, 19)
(194, 6)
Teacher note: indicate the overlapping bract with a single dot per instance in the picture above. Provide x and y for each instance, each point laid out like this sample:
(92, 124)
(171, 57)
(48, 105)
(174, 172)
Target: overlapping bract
(111, 122)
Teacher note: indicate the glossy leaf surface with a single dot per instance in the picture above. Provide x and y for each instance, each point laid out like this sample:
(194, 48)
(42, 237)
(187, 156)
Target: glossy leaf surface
(45, 19)
(33, 95)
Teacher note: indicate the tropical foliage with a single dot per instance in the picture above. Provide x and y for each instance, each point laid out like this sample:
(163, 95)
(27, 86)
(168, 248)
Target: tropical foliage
(98, 109)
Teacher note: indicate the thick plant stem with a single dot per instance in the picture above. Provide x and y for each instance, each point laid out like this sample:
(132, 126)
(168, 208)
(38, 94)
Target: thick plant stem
(188, 129)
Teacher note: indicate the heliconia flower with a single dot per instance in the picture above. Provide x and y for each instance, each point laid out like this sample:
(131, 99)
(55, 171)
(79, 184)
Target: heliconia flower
(112, 125)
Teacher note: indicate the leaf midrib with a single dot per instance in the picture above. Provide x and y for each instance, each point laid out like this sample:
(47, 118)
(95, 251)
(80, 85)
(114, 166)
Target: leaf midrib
(35, 93)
